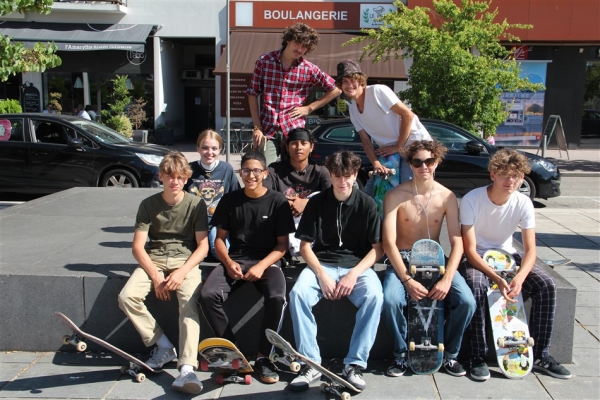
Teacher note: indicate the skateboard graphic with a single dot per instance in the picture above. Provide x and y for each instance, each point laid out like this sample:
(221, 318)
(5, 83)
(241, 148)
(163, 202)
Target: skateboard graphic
(336, 384)
(227, 359)
(426, 316)
(383, 183)
(512, 342)
(76, 339)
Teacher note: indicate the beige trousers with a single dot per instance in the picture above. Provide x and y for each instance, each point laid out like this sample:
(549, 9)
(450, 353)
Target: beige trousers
(133, 295)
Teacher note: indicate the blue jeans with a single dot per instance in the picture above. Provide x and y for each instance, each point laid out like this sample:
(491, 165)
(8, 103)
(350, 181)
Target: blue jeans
(367, 295)
(459, 306)
(212, 235)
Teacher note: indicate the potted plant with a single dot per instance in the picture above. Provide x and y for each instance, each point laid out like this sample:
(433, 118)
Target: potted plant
(164, 135)
(114, 117)
(137, 117)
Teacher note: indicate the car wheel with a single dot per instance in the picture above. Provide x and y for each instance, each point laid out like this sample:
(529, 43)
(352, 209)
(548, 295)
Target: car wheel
(528, 188)
(119, 178)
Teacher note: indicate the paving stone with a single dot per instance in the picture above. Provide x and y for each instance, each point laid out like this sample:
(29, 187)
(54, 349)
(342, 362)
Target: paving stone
(584, 338)
(588, 315)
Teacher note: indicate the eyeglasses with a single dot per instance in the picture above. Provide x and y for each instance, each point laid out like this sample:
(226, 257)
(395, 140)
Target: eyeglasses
(255, 171)
(416, 162)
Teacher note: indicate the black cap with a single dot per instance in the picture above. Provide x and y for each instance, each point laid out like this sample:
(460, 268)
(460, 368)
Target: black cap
(346, 68)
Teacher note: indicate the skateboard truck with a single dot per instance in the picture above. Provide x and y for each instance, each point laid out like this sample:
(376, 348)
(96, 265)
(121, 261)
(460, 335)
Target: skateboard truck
(286, 359)
(134, 370)
(511, 341)
(74, 340)
(328, 387)
(426, 345)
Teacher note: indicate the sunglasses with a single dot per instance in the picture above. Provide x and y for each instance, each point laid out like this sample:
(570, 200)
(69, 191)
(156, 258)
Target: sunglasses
(255, 171)
(416, 162)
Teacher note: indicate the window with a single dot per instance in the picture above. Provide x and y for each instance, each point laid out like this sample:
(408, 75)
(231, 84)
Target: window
(50, 132)
(452, 139)
(342, 134)
(11, 130)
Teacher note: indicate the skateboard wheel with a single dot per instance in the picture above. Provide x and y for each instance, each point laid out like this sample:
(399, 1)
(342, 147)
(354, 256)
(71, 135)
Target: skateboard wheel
(295, 367)
(501, 342)
(248, 379)
(204, 365)
(140, 378)
(235, 364)
(442, 270)
(345, 396)
(274, 357)
(441, 347)
(413, 269)
(530, 342)
(324, 386)
(411, 346)
(81, 346)
(66, 339)
(123, 369)
(219, 379)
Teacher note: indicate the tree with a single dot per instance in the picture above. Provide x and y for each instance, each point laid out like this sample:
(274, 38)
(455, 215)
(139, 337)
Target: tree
(592, 84)
(459, 68)
(114, 117)
(136, 113)
(14, 56)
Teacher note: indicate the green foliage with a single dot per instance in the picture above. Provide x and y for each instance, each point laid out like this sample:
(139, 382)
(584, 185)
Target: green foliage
(448, 79)
(10, 106)
(14, 56)
(136, 113)
(114, 116)
(592, 82)
(55, 102)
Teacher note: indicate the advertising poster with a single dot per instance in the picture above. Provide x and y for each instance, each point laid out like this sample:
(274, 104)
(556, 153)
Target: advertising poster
(523, 125)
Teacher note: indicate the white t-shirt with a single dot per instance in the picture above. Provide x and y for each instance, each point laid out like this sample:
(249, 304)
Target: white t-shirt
(379, 121)
(494, 225)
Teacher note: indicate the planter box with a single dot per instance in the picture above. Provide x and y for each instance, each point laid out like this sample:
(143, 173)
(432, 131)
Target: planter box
(164, 136)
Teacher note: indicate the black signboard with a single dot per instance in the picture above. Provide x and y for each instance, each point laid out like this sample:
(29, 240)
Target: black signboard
(31, 98)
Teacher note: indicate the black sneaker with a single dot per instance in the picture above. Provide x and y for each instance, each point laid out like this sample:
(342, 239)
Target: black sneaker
(453, 367)
(479, 369)
(398, 367)
(551, 367)
(266, 370)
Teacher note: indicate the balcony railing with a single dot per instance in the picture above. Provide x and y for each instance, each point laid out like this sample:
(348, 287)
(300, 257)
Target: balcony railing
(119, 2)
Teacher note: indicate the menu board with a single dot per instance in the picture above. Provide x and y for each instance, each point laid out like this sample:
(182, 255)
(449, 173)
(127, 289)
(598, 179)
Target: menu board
(238, 100)
(31, 99)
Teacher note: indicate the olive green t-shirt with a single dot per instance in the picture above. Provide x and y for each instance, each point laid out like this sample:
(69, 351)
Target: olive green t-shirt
(171, 229)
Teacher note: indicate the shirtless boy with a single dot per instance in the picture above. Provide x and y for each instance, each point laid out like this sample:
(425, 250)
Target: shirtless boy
(412, 211)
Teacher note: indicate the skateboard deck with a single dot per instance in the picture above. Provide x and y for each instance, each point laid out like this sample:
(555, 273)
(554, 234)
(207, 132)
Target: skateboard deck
(75, 339)
(227, 359)
(383, 183)
(336, 383)
(512, 342)
(426, 316)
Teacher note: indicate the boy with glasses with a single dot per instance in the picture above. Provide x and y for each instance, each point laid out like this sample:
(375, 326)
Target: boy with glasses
(257, 221)
(176, 225)
(416, 210)
(489, 217)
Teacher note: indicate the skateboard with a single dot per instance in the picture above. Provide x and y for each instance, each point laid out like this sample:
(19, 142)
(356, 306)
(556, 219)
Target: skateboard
(75, 339)
(383, 183)
(426, 316)
(336, 383)
(227, 359)
(512, 342)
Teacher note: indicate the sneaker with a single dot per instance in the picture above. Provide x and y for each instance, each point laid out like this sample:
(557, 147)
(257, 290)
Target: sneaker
(266, 370)
(305, 377)
(453, 367)
(187, 383)
(479, 369)
(353, 374)
(160, 356)
(551, 367)
(398, 367)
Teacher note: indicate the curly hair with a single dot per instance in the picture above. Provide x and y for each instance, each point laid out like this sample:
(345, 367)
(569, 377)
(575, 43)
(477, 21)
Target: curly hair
(436, 148)
(175, 164)
(360, 78)
(506, 161)
(343, 163)
(302, 34)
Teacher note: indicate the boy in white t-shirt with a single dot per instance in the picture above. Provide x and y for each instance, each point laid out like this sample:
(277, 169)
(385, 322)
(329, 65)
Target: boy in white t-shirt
(489, 217)
(378, 114)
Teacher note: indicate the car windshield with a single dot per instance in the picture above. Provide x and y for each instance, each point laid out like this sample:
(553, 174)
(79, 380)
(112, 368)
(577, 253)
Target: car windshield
(101, 133)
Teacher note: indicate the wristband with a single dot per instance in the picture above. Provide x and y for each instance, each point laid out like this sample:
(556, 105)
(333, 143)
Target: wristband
(406, 280)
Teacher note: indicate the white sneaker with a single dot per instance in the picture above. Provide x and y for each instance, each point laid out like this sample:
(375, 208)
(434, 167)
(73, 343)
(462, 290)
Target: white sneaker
(188, 383)
(304, 378)
(160, 356)
(353, 374)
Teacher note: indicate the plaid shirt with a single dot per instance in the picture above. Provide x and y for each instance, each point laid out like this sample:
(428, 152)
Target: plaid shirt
(283, 90)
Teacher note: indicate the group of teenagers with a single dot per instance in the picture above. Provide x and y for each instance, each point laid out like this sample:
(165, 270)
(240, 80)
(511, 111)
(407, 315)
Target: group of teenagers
(294, 206)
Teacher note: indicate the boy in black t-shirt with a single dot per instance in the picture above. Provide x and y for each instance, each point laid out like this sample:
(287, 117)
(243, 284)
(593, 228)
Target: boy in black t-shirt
(343, 226)
(258, 221)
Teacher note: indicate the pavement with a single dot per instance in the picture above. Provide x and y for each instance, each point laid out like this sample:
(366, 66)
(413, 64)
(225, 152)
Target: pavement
(561, 233)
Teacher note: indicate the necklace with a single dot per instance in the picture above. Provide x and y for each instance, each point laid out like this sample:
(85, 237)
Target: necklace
(423, 210)
(208, 169)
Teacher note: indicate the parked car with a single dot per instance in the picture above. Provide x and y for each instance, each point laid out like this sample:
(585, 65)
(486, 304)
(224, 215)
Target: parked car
(46, 153)
(464, 167)
(590, 124)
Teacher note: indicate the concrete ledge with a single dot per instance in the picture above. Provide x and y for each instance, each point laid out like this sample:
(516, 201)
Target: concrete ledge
(71, 252)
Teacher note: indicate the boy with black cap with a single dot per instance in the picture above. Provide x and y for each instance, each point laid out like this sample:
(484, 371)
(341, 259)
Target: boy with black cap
(297, 177)
(378, 114)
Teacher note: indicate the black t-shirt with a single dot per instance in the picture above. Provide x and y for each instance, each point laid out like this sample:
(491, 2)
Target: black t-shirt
(253, 224)
(342, 232)
(283, 178)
